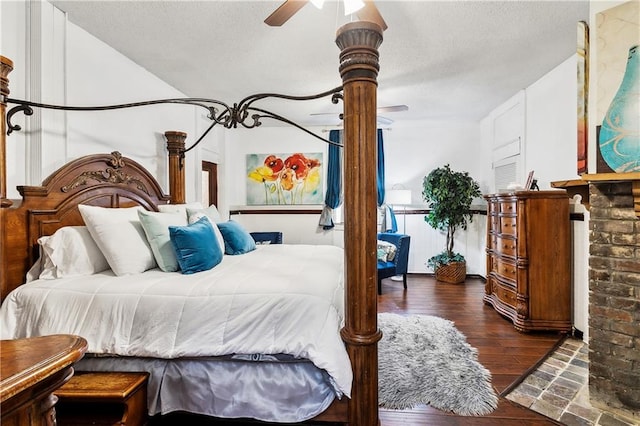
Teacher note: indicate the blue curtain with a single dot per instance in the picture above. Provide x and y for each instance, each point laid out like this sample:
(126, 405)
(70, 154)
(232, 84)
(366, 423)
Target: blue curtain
(380, 179)
(389, 224)
(334, 182)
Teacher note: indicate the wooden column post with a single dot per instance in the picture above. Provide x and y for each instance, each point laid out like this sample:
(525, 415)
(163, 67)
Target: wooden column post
(6, 66)
(359, 67)
(175, 146)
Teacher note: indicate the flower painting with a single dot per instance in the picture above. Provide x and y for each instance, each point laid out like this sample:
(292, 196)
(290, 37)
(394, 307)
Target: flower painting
(284, 179)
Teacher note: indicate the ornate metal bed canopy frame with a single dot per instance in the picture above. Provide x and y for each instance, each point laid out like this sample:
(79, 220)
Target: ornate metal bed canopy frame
(243, 113)
(359, 66)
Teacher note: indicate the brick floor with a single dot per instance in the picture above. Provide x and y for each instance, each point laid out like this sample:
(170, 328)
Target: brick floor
(559, 389)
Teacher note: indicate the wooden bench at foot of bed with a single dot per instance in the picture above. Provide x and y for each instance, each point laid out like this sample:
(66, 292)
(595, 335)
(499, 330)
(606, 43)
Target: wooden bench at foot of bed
(103, 399)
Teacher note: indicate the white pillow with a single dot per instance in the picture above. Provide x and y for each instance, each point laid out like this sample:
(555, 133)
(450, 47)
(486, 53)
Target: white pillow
(210, 213)
(156, 228)
(386, 251)
(70, 251)
(119, 234)
(179, 208)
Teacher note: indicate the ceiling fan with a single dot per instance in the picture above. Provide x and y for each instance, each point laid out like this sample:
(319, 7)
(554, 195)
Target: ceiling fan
(365, 10)
(381, 120)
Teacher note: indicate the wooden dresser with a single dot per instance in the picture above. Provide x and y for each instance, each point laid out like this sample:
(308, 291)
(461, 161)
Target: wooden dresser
(529, 259)
(31, 370)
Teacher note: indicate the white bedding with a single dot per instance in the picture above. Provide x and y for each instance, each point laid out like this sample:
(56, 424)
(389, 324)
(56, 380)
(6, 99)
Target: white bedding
(276, 299)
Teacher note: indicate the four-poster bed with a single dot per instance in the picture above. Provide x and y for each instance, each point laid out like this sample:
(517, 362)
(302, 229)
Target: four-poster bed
(44, 209)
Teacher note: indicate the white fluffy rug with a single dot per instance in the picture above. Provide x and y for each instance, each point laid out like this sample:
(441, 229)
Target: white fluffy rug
(426, 360)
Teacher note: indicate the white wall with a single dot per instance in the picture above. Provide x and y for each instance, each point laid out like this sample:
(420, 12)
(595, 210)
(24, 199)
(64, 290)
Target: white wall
(551, 125)
(63, 64)
(412, 151)
(427, 242)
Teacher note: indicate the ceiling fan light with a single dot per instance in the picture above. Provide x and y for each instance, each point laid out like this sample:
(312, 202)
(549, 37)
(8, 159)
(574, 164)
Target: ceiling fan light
(317, 3)
(352, 6)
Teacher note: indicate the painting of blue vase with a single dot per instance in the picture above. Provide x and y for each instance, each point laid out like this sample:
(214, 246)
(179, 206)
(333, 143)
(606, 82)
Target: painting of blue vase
(619, 137)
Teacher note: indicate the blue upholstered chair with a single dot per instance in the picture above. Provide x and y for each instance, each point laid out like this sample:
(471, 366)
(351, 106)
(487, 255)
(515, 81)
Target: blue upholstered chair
(399, 264)
(267, 237)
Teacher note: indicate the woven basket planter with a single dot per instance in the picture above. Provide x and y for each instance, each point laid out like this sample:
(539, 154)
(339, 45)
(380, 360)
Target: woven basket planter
(454, 272)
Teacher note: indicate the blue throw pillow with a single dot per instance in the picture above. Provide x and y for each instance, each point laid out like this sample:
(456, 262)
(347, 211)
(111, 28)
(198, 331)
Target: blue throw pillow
(195, 246)
(236, 239)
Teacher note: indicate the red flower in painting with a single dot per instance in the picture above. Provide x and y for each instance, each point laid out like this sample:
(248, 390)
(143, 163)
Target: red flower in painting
(274, 163)
(312, 162)
(300, 164)
(297, 163)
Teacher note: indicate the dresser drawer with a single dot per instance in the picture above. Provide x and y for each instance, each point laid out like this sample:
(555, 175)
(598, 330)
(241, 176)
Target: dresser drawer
(508, 207)
(504, 246)
(508, 225)
(506, 295)
(506, 269)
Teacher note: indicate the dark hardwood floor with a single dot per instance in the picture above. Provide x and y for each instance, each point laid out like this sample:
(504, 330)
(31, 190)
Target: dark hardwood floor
(507, 353)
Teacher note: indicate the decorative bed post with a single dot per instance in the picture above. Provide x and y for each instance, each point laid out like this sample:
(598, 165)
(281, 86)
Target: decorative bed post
(175, 146)
(6, 65)
(359, 67)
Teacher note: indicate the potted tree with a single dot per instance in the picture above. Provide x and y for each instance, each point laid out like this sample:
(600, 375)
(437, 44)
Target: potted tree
(449, 195)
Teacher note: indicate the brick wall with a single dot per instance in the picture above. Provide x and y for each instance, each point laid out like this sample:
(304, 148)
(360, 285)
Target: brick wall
(614, 299)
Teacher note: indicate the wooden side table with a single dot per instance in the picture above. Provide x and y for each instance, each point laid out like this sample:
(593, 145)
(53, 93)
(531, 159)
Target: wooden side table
(31, 370)
(103, 398)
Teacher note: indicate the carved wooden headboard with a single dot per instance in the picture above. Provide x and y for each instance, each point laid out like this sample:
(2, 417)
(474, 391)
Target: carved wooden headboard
(107, 180)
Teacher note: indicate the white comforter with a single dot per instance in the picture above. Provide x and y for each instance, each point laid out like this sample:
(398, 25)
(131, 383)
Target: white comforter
(276, 299)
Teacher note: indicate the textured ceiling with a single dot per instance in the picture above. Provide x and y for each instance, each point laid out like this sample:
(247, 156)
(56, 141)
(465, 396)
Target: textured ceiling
(444, 59)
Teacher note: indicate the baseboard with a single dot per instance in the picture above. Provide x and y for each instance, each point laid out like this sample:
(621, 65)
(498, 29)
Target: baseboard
(431, 274)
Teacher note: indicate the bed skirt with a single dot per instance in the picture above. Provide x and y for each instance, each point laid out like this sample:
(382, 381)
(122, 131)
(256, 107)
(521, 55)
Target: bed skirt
(275, 391)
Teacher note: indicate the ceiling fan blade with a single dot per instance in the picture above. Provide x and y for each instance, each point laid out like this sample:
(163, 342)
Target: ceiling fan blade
(371, 13)
(393, 108)
(390, 108)
(285, 11)
(384, 121)
(325, 113)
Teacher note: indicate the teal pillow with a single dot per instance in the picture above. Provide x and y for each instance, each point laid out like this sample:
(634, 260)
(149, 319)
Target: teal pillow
(194, 215)
(156, 228)
(236, 239)
(196, 247)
